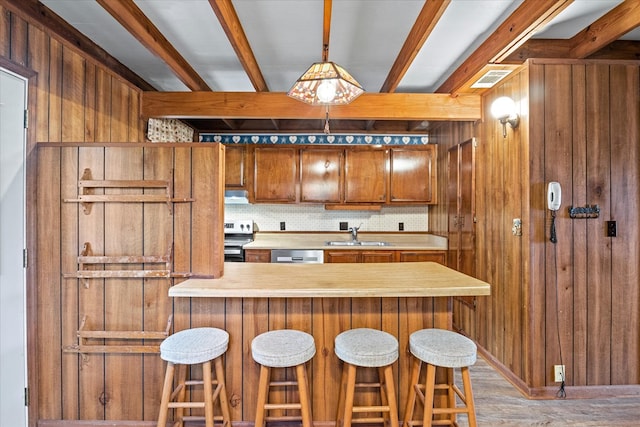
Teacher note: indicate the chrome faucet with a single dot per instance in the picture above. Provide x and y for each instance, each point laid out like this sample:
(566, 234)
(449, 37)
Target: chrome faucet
(354, 232)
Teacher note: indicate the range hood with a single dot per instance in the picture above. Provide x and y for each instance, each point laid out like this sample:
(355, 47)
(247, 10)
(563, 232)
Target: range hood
(236, 197)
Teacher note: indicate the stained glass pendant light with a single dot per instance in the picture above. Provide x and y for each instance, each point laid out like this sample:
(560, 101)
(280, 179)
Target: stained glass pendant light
(326, 83)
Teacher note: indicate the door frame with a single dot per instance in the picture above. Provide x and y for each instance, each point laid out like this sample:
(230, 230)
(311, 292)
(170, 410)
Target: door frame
(30, 234)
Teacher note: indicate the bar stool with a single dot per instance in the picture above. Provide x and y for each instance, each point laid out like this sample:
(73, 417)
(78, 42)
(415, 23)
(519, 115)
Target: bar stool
(284, 348)
(367, 348)
(197, 346)
(440, 348)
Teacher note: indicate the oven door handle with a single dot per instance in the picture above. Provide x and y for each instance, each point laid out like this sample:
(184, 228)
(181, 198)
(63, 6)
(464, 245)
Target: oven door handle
(233, 251)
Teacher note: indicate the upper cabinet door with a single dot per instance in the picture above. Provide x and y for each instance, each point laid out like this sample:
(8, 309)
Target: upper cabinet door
(275, 175)
(235, 166)
(413, 175)
(321, 175)
(366, 176)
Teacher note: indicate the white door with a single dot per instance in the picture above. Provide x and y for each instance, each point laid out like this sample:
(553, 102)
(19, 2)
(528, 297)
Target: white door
(13, 95)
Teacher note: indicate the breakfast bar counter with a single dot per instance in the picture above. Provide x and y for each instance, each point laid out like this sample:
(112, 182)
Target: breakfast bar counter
(413, 279)
(322, 300)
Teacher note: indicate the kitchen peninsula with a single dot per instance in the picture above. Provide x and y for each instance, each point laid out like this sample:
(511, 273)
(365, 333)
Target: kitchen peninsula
(255, 280)
(323, 300)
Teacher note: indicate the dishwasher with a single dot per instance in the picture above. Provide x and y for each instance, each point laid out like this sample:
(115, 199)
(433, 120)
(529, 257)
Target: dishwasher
(297, 256)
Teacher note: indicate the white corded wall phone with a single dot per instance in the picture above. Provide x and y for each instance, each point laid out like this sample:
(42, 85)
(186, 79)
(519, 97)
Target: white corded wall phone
(554, 198)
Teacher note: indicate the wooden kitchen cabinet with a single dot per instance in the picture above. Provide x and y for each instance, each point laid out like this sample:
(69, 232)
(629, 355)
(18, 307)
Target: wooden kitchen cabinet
(342, 176)
(356, 256)
(422, 256)
(257, 255)
(461, 207)
(365, 176)
(361, 256)
(412, 175)
(461, 211)
(275, 175)
(321, 173)
(235, 166)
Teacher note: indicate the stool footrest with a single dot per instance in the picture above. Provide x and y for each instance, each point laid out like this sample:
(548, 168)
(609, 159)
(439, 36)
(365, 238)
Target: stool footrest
(271, 406)
(284, 418)
(367, 420)
(282, 383)
(368, 385)
(374, 408)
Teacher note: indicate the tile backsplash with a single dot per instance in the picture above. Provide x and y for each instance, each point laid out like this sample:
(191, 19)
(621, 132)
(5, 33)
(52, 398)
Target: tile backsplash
(268, 217)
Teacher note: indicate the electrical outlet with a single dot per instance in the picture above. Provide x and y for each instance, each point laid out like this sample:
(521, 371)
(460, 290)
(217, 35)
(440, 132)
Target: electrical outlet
(558, 373)
(283, 226)
(401, 226)
(344, 226)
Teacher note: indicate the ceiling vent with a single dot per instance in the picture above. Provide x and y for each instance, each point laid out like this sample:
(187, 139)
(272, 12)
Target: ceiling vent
(490, 78)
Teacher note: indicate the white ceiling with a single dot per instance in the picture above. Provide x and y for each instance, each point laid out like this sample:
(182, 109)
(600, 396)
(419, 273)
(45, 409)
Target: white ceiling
(286, 37)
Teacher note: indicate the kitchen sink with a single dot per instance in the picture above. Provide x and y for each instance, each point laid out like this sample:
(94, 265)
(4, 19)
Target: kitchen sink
(356, 243)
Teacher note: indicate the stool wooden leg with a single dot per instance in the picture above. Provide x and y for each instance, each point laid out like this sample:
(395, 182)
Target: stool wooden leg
(411, 396)
(341, 396)
(429, 386)
(468, 395)
(263, 392)
(166, 395)
(208, 393)
(349, 395)
(303, 392)
(180, 391)
(222, 392)
(391, 395)
(383, 394)
(451, 395)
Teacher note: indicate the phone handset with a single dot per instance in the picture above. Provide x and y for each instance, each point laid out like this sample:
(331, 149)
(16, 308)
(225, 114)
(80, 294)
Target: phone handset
(554, 198)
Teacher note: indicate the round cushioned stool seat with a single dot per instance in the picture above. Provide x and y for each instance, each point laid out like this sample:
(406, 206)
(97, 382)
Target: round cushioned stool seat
(366, 347)
(444, 348)
(193, 346)
(283, 348)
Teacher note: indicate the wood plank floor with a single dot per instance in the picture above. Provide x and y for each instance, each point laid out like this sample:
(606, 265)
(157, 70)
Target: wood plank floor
(498, 403)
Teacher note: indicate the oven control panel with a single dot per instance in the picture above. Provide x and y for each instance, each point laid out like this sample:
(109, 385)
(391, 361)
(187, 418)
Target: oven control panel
(238, 227)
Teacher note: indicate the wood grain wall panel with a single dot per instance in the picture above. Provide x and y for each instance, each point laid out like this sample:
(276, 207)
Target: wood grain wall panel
(580, 258)
(5, 32)
(157, 240)
(579, 127)
(54, 102)
(70, 317)
(49, 305)
(557, 153)
(535, 374)
(19, 41)
(91, 229)
(123, 296)
(39, 61)
(513, 161)
(599, 193)
(625, 199)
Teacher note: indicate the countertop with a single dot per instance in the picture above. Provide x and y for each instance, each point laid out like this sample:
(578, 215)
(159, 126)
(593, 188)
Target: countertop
(258, 280)
(397, 241)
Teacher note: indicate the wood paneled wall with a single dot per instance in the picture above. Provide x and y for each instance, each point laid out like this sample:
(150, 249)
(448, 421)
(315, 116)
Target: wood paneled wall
(119, 385)
(581, 296)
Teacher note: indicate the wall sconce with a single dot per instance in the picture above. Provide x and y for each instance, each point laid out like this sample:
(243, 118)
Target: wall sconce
(504, 109)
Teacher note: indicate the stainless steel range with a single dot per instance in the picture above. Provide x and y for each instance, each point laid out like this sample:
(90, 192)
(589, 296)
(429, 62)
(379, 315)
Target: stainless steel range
(236, 235)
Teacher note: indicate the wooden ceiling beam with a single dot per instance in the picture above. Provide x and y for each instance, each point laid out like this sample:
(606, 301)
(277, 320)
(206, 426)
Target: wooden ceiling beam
(134, 20)
(528, 18)
(326, 29)
(230, 23)
(277, 105)
(617, 22)
(425, 23)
